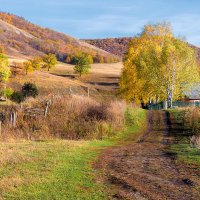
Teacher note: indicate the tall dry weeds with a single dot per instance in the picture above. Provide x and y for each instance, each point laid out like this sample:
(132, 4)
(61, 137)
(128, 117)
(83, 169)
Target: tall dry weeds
(192, 120)
(69, 117)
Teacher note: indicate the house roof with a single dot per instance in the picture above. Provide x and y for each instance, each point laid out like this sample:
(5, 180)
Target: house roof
(193, 92)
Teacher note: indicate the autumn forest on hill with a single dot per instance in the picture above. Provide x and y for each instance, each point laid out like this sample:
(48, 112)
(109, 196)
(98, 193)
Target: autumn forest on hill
(37, 41)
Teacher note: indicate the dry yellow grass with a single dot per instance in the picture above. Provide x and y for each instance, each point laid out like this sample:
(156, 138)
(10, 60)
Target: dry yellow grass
(105, 68)
(103, 78)
(108, 69)
(45, 81)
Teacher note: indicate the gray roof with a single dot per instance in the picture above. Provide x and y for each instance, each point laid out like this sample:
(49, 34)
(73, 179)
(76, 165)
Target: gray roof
(193, 92)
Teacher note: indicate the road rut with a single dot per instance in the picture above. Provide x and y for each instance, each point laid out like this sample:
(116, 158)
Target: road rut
(144, 169)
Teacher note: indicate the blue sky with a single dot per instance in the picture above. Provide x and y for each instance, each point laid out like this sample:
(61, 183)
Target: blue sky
(109, 18)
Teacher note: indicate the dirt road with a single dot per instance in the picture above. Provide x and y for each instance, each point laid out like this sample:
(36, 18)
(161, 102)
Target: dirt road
(144, 170)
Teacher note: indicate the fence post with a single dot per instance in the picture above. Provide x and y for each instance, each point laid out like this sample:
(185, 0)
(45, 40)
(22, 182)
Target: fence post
(47, 108)
(0, 127)
(88, 92)
(13, 118)
(70, 91)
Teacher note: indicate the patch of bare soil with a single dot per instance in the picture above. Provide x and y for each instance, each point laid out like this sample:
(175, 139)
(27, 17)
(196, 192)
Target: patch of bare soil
(144, 170)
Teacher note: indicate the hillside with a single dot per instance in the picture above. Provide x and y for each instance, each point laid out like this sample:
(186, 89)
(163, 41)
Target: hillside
(21, 37)
(117, 46)
(102, 80)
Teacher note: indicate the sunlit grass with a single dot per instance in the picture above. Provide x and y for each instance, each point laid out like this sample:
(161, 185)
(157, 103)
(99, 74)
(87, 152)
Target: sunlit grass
(56, 169)
(186, 153)
(182, 149)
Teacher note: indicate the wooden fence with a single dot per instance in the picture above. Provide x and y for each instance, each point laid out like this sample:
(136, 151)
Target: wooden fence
(10, 116)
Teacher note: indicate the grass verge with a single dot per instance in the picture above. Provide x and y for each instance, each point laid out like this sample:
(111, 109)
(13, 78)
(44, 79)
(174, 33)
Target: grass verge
(58, 169)
(183, 150)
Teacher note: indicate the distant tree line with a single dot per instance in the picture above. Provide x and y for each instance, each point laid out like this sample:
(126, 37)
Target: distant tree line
(116, 46)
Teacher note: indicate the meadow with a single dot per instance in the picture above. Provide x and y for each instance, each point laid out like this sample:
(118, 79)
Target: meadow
(59, 169)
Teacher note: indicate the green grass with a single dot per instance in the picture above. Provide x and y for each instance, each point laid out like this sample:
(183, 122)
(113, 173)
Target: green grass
(183, 150)
(177, 115)
(186, 153)
(57, 169)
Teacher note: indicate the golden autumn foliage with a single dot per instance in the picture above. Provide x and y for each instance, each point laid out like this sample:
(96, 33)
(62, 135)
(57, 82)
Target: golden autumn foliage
(4, 68)
(2, 49)
(28, 67)
(50, 61)
(157, 66)
(6, 17)
(32, 65)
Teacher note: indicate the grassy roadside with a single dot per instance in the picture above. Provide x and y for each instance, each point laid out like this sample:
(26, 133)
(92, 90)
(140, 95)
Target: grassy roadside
(183, 150)
(58, 169)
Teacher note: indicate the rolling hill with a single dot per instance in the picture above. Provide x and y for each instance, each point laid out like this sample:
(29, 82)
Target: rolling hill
(117, 46)
(23, 38)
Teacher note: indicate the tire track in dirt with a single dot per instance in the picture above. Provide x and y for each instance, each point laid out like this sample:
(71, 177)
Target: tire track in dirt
(144, 170)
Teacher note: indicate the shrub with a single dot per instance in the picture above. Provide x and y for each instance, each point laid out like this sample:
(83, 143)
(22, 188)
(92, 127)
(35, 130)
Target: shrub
(96, 112)
(192, 119)
(132, 118)
(30, 90)
(81, 117)
(17, 97)
(7, 92)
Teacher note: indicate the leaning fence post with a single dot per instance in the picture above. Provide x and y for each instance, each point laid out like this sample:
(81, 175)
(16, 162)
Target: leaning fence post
(70, 91)
(47, 108)
(0, 127)
(14, 119)
(11, 119)
(88, 92)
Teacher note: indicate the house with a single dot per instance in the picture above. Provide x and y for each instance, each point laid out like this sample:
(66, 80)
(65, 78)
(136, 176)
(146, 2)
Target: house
(191, 98)
(192, 95)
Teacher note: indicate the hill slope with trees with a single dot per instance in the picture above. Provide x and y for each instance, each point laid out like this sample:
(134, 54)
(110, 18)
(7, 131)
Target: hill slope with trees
(18, 36)
(119, 46)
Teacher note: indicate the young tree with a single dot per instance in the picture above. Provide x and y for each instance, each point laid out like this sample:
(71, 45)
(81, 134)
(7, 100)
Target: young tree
(82, 64)
(4, 69)
(157, 66)
(2, 50)
(36, 63)
(50, 61)
(28, 67)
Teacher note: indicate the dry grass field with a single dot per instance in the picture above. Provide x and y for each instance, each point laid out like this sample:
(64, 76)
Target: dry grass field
(102, 79)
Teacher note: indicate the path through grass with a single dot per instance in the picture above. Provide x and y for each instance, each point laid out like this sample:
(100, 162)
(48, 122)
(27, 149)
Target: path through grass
(56, 169)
